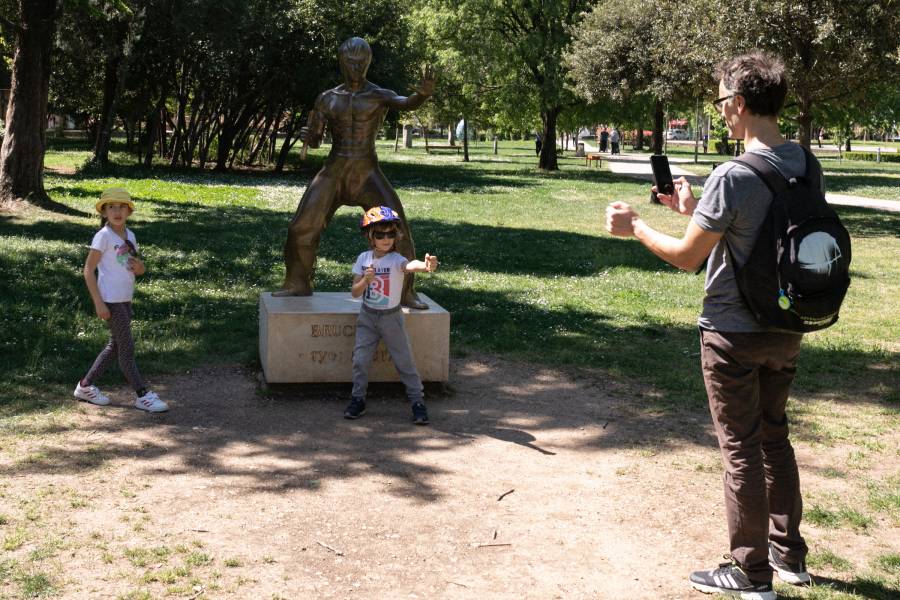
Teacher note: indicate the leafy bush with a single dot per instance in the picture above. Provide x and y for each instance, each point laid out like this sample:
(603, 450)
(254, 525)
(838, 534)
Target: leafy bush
(872, 156)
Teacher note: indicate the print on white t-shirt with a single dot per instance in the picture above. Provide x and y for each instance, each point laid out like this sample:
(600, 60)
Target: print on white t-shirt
(114, 277)
(384, 291)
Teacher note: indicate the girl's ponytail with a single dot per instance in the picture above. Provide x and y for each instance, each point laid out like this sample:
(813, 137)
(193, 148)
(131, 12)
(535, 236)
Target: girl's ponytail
(103, 221)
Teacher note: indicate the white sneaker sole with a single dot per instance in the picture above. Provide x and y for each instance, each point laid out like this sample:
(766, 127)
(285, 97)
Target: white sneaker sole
(102, 401)
(152, 409)
(708, 589)
(792, 578)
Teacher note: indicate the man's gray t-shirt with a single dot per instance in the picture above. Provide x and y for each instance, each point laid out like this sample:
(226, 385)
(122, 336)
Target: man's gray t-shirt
(735, 200)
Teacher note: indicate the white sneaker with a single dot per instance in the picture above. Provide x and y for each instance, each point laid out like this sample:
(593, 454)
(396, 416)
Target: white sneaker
(151, 403)
(90, 394)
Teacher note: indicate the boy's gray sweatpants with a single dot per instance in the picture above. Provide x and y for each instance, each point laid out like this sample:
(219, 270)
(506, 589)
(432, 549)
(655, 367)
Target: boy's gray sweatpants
(371, 327)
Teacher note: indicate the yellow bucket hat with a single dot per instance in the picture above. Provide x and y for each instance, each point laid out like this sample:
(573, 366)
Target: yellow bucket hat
(114, 195)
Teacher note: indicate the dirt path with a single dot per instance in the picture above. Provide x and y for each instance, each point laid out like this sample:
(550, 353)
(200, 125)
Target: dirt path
(530, 483)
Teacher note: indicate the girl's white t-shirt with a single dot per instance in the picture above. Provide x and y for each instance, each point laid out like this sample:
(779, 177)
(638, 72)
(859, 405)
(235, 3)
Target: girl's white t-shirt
(115, 279)
(384, 291)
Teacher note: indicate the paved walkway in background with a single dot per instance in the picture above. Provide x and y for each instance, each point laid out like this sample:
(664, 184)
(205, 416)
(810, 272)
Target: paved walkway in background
(638, 166)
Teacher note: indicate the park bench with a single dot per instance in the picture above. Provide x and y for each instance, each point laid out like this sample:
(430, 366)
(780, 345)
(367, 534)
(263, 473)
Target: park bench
(433, 147)
(592, 157)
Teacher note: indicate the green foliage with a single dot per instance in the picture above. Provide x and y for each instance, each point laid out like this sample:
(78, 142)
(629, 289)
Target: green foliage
(627, 48)
(837, 53)
(872, 156)
(504, 59)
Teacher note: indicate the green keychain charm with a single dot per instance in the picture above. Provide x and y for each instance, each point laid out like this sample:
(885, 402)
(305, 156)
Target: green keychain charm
(783, 301)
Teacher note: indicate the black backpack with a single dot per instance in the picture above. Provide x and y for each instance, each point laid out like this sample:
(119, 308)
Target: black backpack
(799, 269)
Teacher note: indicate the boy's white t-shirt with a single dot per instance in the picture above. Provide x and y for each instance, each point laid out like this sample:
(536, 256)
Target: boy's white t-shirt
(384, 291)
(115, 279)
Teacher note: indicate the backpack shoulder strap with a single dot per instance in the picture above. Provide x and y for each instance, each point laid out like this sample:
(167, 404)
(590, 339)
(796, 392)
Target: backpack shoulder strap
(773, 179)
(813, 170)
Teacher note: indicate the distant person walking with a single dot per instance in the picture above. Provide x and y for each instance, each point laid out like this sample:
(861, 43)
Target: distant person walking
(604, 140)
(614, 141)
(747, 368)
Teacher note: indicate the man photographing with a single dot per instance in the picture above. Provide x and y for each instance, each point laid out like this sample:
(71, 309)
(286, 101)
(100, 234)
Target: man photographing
(747, 367)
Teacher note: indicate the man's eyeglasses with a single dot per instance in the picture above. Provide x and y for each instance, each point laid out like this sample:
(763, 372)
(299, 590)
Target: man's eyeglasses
(380, 235)
(719, 101)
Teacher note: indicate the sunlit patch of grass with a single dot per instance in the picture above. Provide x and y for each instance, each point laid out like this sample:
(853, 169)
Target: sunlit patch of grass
(197, 559)
(827, 558)
(14, 539)
(35, 585)
(889, 563)
(837, 517)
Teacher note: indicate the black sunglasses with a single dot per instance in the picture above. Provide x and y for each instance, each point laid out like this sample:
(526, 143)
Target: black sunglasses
(380, 235)
(131, 249)
(719, 101)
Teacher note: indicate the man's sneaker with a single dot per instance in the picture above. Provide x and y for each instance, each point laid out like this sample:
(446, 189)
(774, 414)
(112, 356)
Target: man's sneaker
(355, 409)
(794, 573)
(419, 414)
(151, 403)
(730, 580)
(90, 394)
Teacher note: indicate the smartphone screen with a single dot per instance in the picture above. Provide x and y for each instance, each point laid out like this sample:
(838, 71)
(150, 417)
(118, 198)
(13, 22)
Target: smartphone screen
(662, 176)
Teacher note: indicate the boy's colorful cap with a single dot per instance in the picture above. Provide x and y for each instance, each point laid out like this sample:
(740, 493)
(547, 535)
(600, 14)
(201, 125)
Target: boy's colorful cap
(114, 195)
(379, 214)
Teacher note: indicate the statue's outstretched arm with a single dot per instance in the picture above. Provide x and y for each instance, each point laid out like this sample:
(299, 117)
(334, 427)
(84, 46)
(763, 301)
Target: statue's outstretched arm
(423, 91)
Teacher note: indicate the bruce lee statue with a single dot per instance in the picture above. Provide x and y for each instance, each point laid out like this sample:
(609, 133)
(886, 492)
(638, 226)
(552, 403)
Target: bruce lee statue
(353, 113)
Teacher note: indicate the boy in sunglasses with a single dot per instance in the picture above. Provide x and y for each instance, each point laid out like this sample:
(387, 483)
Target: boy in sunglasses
(378, 276)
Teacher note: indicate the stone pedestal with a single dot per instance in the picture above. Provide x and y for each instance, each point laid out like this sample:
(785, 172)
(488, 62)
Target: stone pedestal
(579, 150)
(309, 339)
(407, 136)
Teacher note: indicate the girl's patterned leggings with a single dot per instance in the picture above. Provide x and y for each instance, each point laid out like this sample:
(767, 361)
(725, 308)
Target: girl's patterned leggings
(120, 345)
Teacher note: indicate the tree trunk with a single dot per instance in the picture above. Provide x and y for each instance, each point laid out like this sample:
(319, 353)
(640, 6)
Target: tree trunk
(465, 140)
(289, 142)
(24, 144)
(113, 82)
(804, 120)
(547, 160)
(658, 119)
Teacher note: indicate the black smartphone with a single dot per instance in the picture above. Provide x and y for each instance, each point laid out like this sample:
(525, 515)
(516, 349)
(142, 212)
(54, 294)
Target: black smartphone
(662, 176)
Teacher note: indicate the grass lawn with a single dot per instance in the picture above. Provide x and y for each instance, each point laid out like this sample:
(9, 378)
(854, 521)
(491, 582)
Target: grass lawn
(527, 271)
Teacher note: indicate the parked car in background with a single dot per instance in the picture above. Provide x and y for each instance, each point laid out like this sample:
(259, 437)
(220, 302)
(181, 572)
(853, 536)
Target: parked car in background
(677, 134)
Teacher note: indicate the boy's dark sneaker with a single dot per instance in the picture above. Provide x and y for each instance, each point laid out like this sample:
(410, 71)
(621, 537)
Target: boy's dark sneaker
(729, 579)
(794, 573)
(419, 414)
(355, 409)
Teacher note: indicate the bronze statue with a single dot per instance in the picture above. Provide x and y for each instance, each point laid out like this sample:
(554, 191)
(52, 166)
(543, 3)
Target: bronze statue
(354, 112)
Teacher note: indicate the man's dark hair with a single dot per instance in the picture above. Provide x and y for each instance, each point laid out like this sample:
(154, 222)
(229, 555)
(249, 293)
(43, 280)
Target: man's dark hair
(759, 78)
